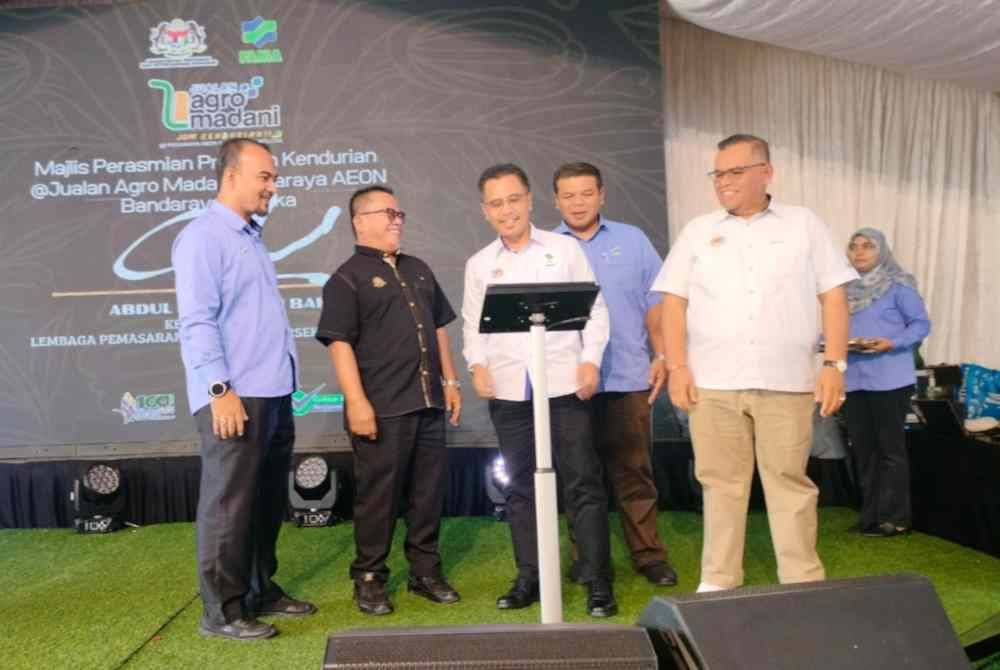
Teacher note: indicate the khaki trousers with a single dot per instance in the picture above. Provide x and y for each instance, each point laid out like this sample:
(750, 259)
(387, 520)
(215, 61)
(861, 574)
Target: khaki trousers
(728, 430)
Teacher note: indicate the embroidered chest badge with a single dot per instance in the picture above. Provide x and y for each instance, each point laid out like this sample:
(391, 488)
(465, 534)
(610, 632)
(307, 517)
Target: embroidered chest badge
(378, 282)
(497, 273)
(550, 260)
(717, 241)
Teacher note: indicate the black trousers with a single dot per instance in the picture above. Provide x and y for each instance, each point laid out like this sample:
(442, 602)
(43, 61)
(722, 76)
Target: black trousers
(580, 473)
(405, 466)
(241, 504)
(876, 425)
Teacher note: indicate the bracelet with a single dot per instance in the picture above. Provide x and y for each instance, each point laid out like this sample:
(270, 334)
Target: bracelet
(451, 382)
(660, 357)
(671, 368)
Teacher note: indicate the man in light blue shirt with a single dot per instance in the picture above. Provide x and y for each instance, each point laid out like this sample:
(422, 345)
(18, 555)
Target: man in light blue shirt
(240, 363)
(625, 263)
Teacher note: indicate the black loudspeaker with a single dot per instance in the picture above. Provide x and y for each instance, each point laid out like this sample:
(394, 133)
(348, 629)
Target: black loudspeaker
(871, 623)
(506, 647)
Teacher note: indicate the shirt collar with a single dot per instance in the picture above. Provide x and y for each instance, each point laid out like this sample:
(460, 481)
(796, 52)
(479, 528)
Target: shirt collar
(373, 252)
(233, 220)
(533, 237)
(566, 230)
(772, 208)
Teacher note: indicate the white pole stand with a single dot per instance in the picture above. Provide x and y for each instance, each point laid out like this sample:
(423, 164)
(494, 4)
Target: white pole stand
(546, 505)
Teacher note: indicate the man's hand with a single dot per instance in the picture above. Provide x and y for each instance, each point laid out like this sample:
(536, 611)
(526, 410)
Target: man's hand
(361, 418)
(830, 390)
(879, 345)
(453, 403)
(682, 390)
(657, 378)
(228, 416)
(588, 376)
(482, 382)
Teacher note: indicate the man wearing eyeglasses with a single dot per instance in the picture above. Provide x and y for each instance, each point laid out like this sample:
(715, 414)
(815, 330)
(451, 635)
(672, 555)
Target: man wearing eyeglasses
(383, 321)
(499, 364)
(740, 325)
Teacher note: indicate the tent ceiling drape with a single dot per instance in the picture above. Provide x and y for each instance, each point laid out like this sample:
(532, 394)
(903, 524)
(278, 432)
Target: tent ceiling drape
(955, 40)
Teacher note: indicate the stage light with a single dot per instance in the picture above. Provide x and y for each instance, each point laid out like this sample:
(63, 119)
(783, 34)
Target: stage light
(312, 491)
(497, 481)
(98, 498)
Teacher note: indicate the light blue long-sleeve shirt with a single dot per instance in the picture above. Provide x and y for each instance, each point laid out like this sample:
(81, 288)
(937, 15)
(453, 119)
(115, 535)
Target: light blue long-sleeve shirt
(900, 316)
(233, 324)
(625, 264)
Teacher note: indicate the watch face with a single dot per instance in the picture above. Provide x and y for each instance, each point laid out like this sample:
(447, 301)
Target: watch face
(217, 389)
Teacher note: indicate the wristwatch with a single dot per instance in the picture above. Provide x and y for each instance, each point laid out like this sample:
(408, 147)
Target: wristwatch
(218, 389)
(451, 382)
(841, 365)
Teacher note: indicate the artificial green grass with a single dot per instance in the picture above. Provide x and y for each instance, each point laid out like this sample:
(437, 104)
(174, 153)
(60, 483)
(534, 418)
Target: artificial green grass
(129, 599)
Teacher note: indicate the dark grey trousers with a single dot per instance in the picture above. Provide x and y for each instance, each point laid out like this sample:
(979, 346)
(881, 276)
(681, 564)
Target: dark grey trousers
(242, 502)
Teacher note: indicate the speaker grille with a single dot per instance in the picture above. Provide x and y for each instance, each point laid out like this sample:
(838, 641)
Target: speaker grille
(512, 647)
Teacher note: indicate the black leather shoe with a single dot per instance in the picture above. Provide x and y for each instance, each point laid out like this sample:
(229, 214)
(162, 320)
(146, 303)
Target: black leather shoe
(286, 606)
(239, 629)
(660, 573)
(370, 595)
(433, 588)
(601, 599)
(886, 529)
(524, 592)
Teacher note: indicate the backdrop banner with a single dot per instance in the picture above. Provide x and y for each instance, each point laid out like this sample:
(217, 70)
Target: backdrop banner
(110, 120)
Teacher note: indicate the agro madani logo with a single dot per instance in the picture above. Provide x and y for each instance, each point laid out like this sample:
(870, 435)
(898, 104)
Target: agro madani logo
(216, 106)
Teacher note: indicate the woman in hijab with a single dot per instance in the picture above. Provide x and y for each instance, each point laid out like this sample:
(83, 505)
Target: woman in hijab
(888, 320)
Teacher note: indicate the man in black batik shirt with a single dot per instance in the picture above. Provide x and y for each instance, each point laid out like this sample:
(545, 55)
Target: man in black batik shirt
(383, 321)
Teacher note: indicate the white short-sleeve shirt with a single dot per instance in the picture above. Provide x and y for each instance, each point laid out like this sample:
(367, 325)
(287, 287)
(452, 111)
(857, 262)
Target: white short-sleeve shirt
(753, 319)
(548, 257)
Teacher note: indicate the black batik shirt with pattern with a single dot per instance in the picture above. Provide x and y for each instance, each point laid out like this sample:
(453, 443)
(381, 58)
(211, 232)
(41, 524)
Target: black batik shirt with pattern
(388, 307)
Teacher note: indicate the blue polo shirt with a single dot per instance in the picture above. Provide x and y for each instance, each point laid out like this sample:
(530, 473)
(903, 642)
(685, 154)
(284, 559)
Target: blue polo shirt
(625, 264)
(233, 324)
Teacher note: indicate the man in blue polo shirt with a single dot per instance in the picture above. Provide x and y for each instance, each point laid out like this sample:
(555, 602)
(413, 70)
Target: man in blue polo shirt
(625, 263)
(240, 362)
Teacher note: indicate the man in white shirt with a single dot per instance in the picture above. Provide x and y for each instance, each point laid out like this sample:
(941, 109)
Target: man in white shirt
(499, 365)
(740, 325)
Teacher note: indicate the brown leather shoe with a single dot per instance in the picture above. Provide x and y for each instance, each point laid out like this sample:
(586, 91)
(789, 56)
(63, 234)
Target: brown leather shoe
(660, 573)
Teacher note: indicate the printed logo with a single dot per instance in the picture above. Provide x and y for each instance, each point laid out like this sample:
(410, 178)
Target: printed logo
(216, 111)
(550, 261)
(378, 282)
(150, 407)
(315, 402)
(613, 252)
(497, 273)
(176, 43)
(258, 32)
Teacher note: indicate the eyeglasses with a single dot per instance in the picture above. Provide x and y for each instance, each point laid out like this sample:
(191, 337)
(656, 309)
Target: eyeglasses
(512, 200)
(738, 171)
(393, 214)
